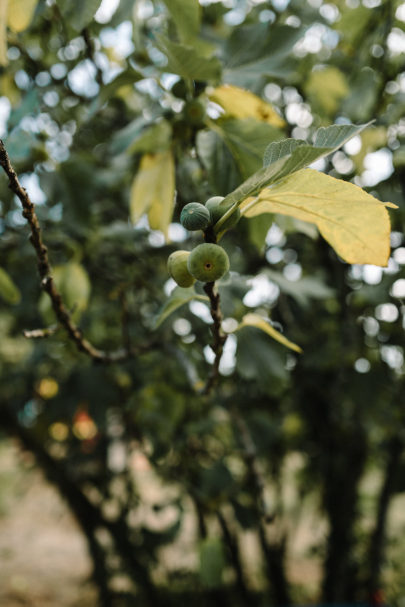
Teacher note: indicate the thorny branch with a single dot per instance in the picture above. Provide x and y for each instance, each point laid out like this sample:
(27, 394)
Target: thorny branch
(47, 281)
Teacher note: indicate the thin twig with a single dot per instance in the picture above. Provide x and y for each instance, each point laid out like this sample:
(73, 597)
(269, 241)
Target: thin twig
(47, 281)
(125, 321)
(40, 333)
(90, 52)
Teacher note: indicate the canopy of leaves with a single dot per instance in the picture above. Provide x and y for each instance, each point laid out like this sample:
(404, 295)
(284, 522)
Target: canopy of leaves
(114, 118)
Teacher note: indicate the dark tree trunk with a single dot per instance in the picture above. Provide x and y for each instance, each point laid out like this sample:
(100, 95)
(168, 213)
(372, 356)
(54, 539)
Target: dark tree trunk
(377, 542)
(343, 474)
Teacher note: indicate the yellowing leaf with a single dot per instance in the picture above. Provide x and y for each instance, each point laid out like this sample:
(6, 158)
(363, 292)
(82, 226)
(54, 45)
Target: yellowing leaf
(153, 190)
(326, 88)
(3, 32)
(20, 14)
(355, 224)
(254, 320)
(243, 104)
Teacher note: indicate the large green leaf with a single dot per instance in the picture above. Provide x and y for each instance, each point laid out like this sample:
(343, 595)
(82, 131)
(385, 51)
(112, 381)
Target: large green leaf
(222, 171)
(284, 157)
(186, 16)
(186, 62)
(8, 290)
(178, 298)
(256, 50)
(354, 223)
(247, 140)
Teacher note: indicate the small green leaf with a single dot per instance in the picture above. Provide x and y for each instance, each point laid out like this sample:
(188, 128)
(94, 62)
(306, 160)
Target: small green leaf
(186, 16)
(212, 562)
(254, 320)
(178, 298)
(79, 13)
(107, 92)
(8, 290)
(187, 62)
(247, 140)
(152, 139)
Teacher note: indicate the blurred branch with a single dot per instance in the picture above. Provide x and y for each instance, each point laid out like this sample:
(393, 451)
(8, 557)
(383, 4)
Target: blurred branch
(90, 52)
(219, 336)
(251, 459)
(232, 544)
(47, 281)
(378, 536)
(41, 333)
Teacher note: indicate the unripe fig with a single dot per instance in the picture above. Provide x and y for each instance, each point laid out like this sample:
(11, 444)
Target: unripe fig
(208, 262)
(194, 112)
(177, 268)
(179, 89)
(217, 210)
(195, 216)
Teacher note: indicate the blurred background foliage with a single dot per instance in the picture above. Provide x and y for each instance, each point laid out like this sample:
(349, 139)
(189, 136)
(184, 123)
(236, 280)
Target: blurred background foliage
(165, 484)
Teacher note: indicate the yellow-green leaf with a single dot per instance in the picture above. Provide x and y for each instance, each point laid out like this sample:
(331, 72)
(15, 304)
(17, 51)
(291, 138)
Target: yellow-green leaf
(8, 290)
(326, 88)
(243, 104)
(20, 14)
(152, 190)
(371, 139)
(254, 320)
(74, 285)
(3, 32)
(355, 224)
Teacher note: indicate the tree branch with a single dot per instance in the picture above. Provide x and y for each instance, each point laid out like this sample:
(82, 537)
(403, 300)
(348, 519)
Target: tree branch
(219, 337)
(47, 281)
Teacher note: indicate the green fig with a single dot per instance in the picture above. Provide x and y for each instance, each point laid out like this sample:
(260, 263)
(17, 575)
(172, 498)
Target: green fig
(194, 112)
(208, 262)
(177, 268)
(195, 216)
(217, 210)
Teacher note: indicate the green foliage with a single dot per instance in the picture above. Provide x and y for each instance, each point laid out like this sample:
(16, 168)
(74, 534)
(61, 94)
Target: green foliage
(114, 123)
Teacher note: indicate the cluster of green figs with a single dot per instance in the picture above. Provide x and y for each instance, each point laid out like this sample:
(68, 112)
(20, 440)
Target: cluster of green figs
(208, 261)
